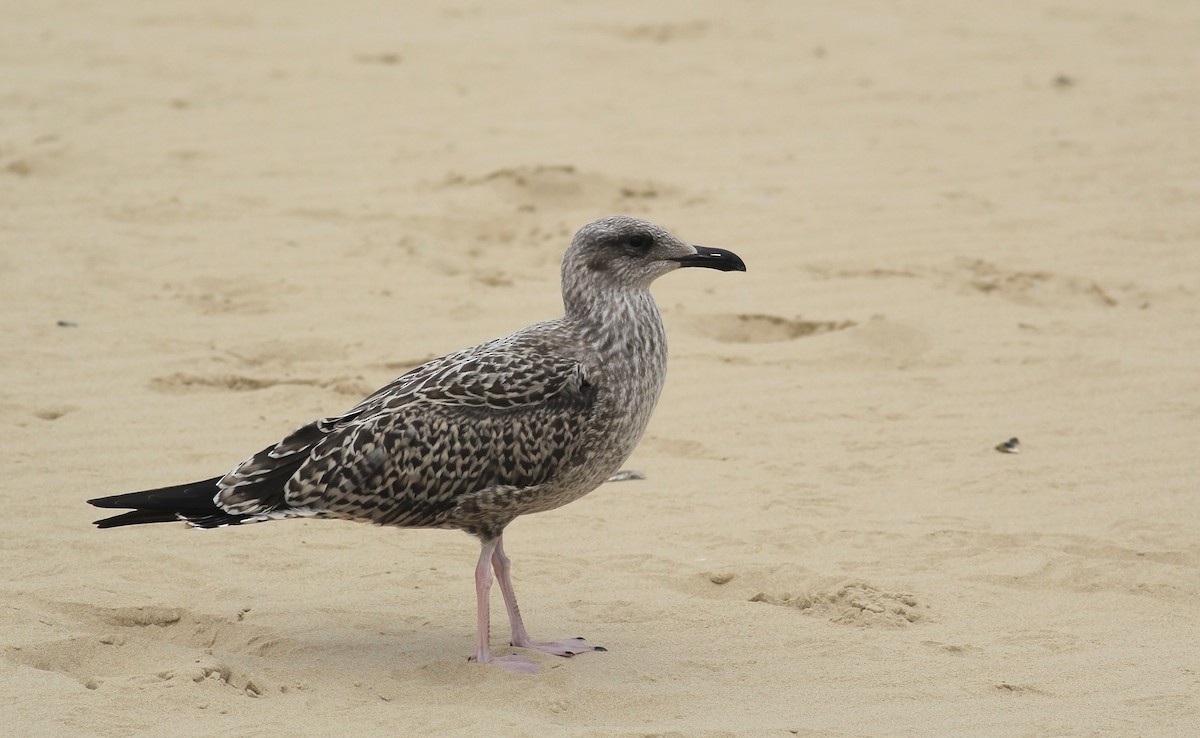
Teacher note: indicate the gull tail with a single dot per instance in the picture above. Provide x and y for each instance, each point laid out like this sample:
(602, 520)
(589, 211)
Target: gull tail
(194, 503)
(261, 497)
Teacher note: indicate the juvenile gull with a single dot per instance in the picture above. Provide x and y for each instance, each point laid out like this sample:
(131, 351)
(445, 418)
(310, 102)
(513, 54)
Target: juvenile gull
(518, 425)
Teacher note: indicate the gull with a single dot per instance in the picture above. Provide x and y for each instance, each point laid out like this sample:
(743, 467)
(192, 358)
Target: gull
(516, 425)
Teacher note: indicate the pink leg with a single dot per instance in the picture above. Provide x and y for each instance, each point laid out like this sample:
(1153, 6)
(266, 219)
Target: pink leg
(483, 584)
(520, 638)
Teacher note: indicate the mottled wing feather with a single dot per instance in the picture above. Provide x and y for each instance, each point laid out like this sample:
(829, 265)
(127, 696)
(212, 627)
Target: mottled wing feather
(408, 454)
(241, 488)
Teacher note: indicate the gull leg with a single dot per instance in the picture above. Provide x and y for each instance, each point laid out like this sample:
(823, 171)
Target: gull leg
(483, 585)
(520, 638)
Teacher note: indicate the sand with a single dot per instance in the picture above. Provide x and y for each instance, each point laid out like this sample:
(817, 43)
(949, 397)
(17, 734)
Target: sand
(963, 223)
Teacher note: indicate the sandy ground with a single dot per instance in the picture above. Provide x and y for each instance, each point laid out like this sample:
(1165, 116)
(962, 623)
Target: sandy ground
(963, 222)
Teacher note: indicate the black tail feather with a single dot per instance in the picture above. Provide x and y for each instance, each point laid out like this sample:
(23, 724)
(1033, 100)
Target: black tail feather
(136, 517)
(194, 502)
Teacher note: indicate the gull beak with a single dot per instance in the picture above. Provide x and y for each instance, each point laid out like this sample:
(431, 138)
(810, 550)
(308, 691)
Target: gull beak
(706, 256)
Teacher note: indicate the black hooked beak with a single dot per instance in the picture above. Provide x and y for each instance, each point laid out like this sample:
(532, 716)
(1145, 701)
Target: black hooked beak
(706, 256)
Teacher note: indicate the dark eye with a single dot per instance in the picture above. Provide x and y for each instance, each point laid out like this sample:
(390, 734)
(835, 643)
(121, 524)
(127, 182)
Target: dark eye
(641, 241)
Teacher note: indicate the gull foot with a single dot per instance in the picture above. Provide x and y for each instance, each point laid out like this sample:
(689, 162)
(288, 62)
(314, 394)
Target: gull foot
(566, 647)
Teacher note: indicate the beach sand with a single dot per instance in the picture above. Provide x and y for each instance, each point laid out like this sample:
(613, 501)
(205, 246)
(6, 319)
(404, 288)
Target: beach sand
(962, 223)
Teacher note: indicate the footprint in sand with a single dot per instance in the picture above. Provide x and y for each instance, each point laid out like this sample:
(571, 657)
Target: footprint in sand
(120, 647)
(758, 328)
(181, 383)
(851, 603)
(561, 187)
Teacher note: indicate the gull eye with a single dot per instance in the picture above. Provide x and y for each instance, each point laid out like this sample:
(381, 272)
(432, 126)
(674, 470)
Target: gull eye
(641, 241)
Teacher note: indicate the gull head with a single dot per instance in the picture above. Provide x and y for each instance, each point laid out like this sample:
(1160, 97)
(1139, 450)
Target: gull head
(624, 253)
